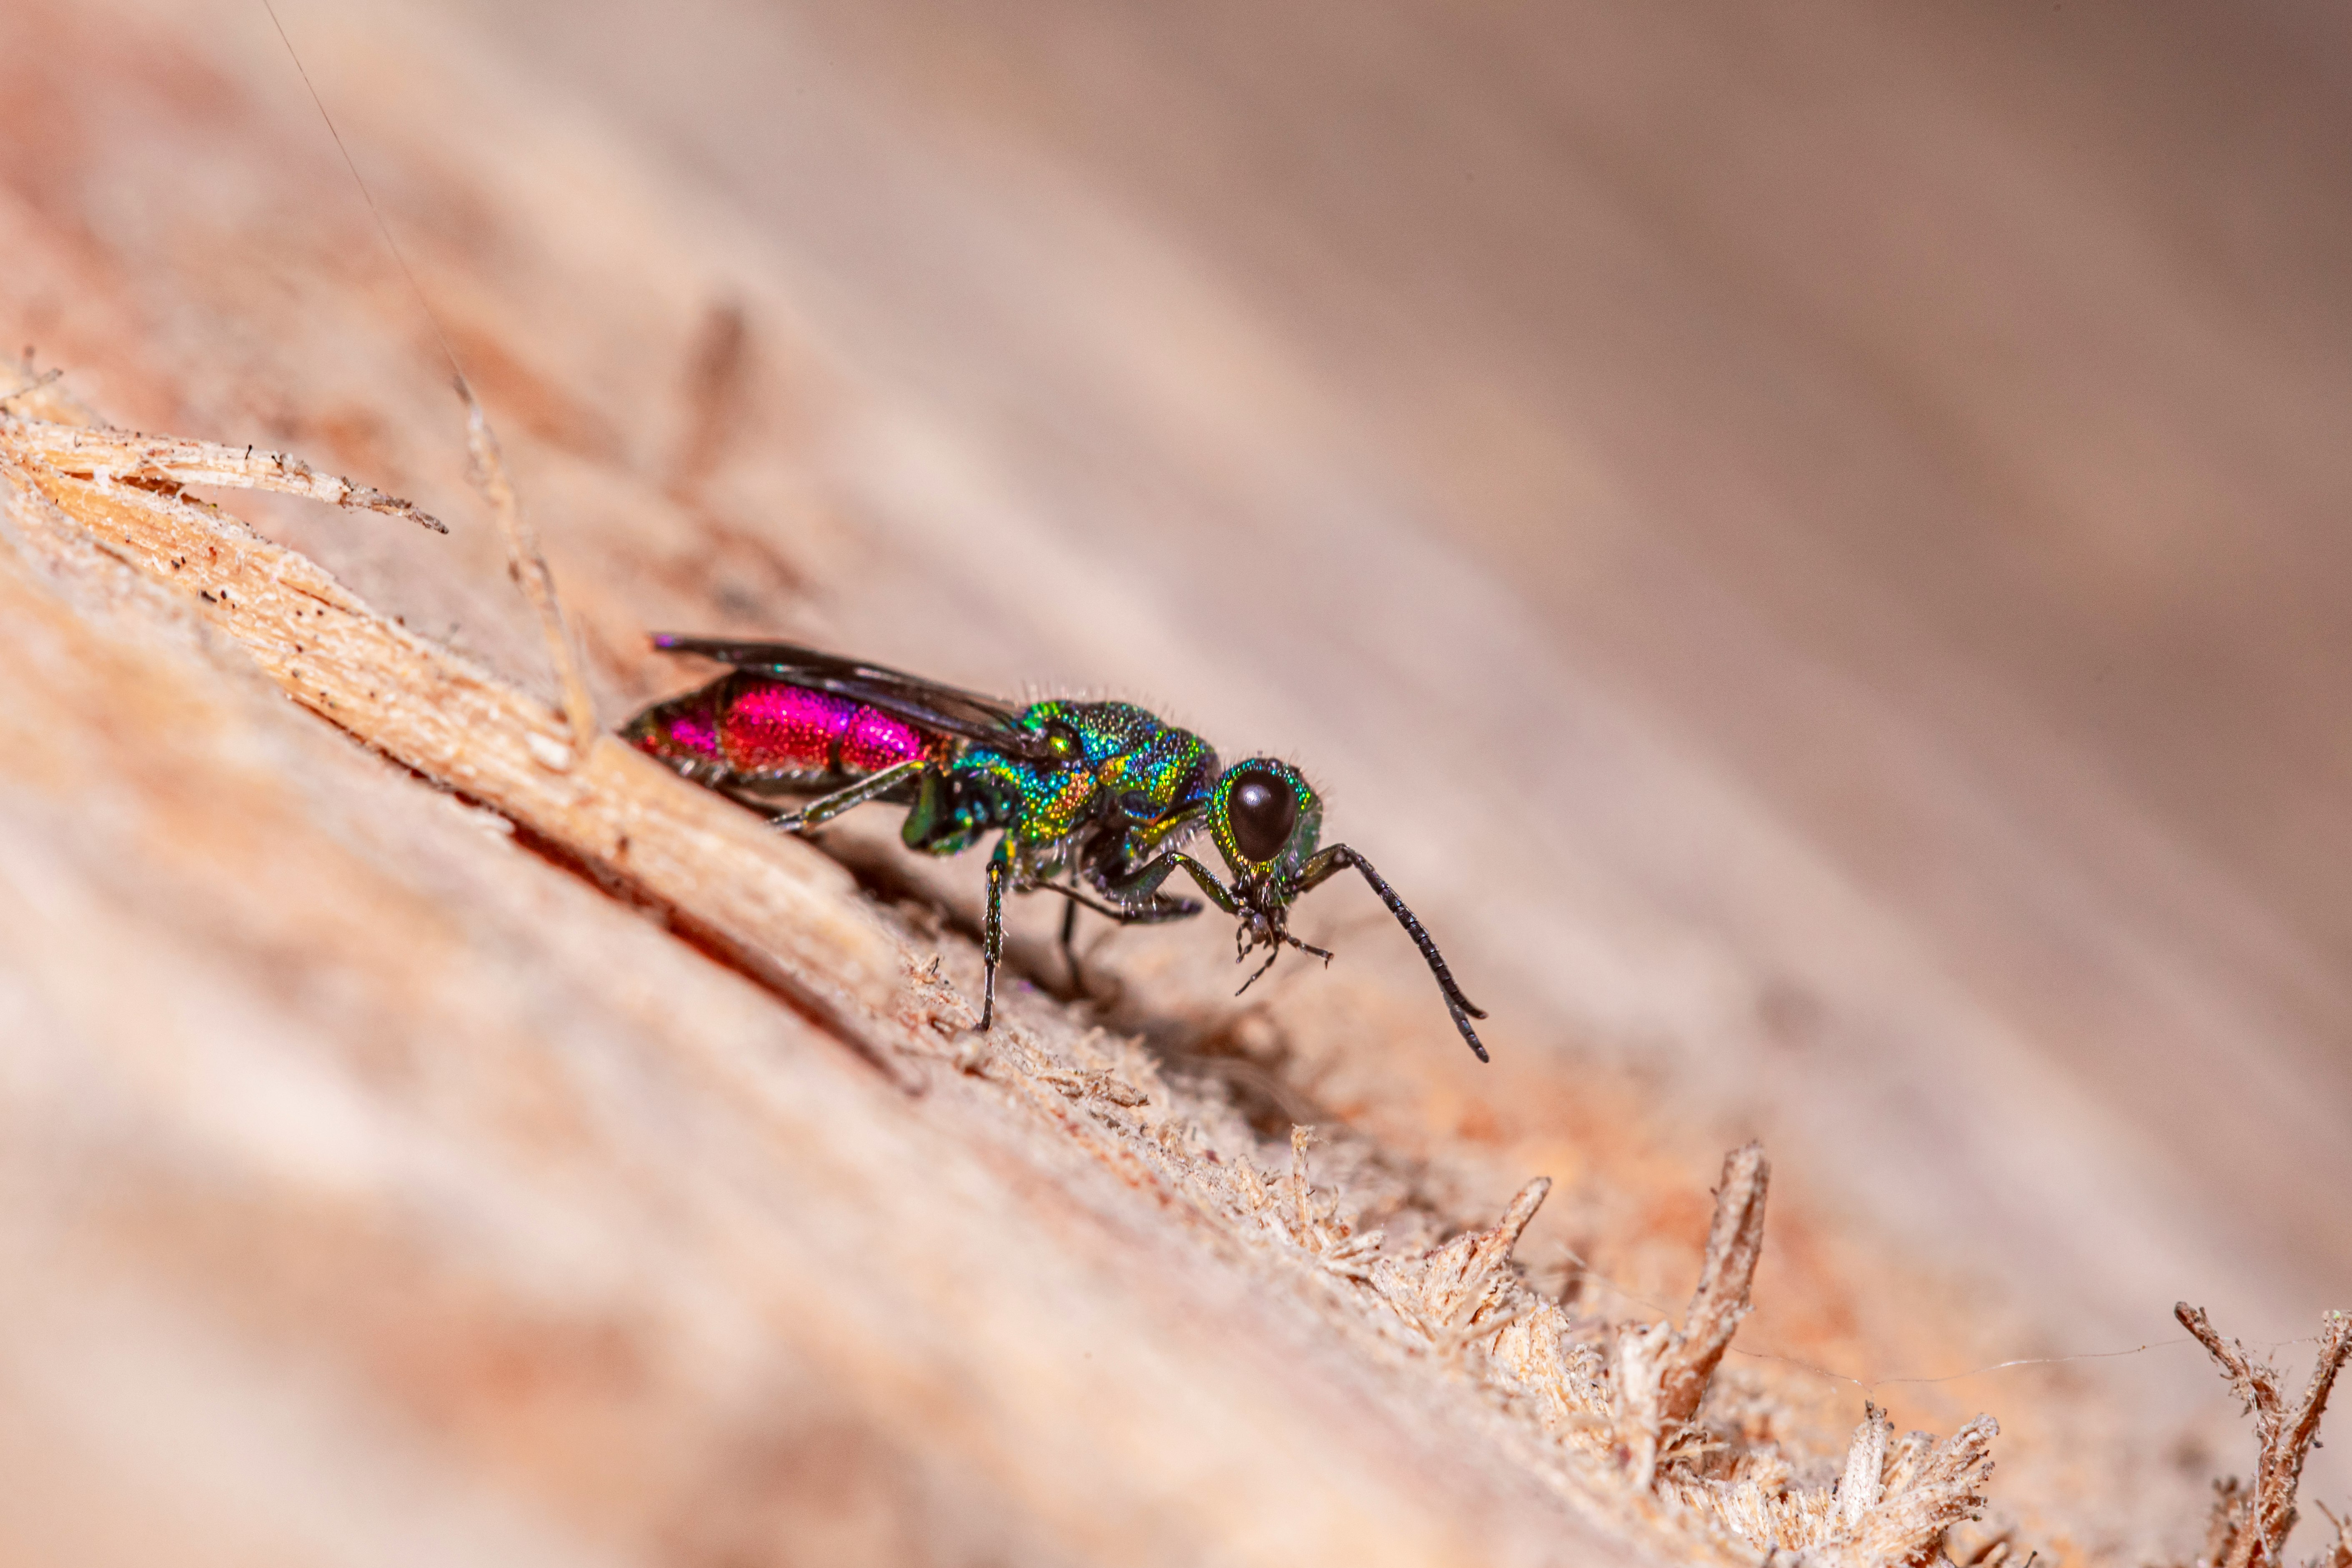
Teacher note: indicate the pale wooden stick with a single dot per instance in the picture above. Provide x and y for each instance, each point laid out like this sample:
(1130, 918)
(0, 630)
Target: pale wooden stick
(2252, 1523)
(527, 564)
(777, 909)
(117, 456)
(1735, 1244)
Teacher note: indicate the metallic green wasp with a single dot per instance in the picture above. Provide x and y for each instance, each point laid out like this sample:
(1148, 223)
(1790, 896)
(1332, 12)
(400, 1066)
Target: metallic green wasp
(1090, 800)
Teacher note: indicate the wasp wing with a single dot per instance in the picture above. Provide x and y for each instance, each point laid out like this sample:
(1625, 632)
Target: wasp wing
(926, 704)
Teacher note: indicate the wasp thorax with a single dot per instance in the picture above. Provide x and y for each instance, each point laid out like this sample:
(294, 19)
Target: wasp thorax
(1262, 810)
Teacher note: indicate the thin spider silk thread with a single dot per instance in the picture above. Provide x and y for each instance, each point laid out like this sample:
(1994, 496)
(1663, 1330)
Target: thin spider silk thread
(525, 561)
(382, 227)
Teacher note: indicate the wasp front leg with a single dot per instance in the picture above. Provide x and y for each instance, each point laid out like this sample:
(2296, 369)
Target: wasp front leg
(1255, 927)
(1144, 884)
(1337, 858)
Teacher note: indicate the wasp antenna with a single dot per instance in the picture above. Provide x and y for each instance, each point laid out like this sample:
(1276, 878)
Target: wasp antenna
(1469, 1034)
(1462, 1009)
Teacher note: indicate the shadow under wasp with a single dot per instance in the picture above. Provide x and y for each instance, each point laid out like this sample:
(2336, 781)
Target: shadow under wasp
(1092, 801)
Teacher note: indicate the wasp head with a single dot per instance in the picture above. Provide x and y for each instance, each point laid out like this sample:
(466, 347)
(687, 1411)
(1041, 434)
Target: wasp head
(1268, 822)
(1265, 820)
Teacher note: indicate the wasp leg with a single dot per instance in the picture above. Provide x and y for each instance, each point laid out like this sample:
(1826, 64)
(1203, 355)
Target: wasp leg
(1262, 968)
(1145, 880)
(1069, 944)
(943, 819)
(1280, 939)
(992, 929)
(1142, 886)
(1160, 909)
(832, 805)
(1337, 858)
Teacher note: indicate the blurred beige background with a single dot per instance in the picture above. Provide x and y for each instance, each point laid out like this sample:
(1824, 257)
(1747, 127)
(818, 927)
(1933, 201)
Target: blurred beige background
(1817, 541)
(1809, 541)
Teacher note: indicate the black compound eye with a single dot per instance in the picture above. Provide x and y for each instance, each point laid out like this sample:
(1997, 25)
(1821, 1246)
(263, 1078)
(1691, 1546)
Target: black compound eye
(1263, 811)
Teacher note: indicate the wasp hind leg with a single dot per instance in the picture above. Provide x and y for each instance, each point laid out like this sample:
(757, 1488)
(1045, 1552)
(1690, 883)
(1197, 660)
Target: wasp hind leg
(826, 807)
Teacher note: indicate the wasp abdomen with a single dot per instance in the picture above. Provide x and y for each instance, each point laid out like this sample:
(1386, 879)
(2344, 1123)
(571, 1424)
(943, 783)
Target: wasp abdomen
(757, 729)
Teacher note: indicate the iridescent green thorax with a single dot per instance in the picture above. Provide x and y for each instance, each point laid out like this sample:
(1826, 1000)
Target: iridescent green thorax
(1113, 755)
(1161, 778)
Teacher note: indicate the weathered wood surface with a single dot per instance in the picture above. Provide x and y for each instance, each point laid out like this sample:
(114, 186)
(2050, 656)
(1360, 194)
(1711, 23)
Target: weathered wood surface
(380, 1190)
(1822, 584)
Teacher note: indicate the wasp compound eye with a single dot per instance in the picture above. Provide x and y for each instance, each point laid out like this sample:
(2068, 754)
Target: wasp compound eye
(1262, 810)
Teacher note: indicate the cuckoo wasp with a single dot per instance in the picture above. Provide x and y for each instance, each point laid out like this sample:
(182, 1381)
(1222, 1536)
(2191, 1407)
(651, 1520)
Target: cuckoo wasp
(1089, 800)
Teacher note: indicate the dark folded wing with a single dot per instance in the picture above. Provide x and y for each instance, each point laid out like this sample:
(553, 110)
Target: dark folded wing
(926, 704)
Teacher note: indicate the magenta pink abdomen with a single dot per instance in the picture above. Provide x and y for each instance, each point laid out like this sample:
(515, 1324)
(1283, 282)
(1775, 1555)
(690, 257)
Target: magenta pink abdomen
(875, 741)
(689, 731)
(769, 727)
(773, 728)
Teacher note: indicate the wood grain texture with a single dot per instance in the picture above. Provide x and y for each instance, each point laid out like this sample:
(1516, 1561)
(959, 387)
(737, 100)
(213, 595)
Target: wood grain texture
(1806, 546)
(380, 1190)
